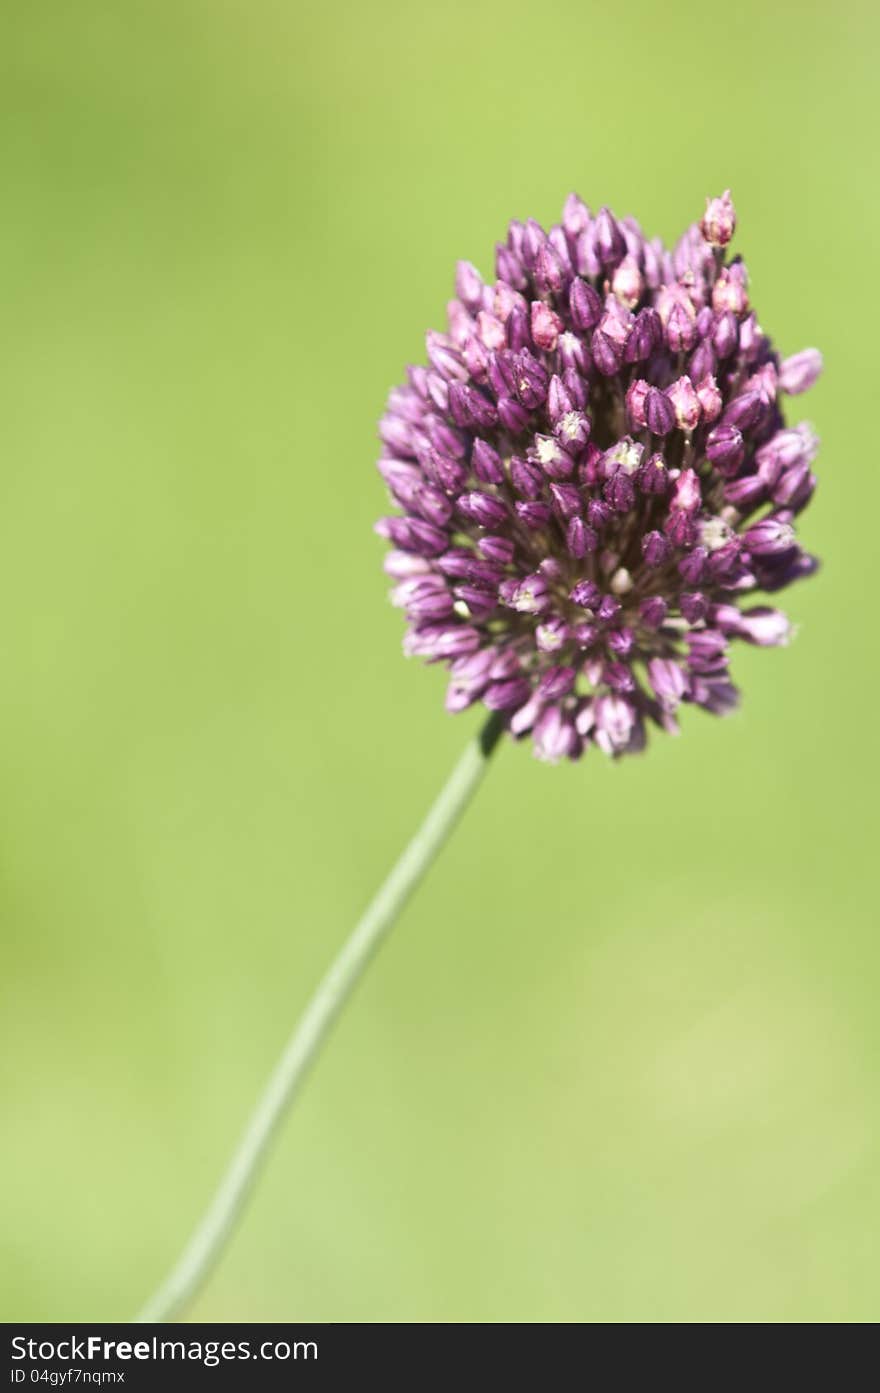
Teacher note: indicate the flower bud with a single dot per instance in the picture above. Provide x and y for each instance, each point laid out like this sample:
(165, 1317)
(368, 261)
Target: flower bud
(719, 220)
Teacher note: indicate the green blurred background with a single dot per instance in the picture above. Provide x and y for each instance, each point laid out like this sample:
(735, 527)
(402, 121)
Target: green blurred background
(619, 1061)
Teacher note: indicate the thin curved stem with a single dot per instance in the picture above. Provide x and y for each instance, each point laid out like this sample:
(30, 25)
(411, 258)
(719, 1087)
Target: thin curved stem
(211, 1235)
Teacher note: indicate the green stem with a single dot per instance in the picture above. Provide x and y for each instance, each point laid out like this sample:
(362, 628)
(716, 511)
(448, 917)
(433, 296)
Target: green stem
(212, 1234)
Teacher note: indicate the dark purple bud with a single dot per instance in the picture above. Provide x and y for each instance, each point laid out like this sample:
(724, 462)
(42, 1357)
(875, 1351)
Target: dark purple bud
(769, 537)
(590, 469)
(725, 449)
(470, 409)
(561, 245)
(694, 606)
(725, 561)
(609, 608)
(584, 304)
(483, 509)
(659, 413)
(501, 371)
(550, 272)
(486, 463)
(653, 611)
(620, 492)
(445, 439)
(532, 380)
(745, 411)
(504, 665)
(526, 477)
(512, 416)
(798, 373)
(500, 550)
(655, 549)
(580, 539)
(619, 677)
(644, 336)
(606, 353)
(782, 571)
(575, 387)
(509, 268)
(517, 329)
(586, 594)
(725, 335)
(610, 242)
(681, 329)
(412, 534)
(423, 597)
(566, 500)
(706, 650)
(444, 359)
(432, 504)
(621, 642)
(501, 696)
(534, 238)
(533, 515)
(480, 602)
(653, 477)
(745, 493)
(462, 564)
(692, 567)
(599, 514)
(680, 528)
(795, 487)
(559, 403)
(557, 682)
(445, 473)
(702, 362)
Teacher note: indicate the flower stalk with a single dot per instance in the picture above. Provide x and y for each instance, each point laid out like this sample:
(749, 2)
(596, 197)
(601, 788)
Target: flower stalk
(213, 1232)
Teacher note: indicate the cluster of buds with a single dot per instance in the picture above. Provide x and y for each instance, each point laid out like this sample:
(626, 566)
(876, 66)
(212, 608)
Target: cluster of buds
(594, 474)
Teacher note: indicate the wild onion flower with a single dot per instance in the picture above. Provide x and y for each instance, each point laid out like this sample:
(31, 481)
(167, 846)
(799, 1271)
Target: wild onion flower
(595, 475)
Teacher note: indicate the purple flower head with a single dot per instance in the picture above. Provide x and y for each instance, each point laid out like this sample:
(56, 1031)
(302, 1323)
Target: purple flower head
(593, 475)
